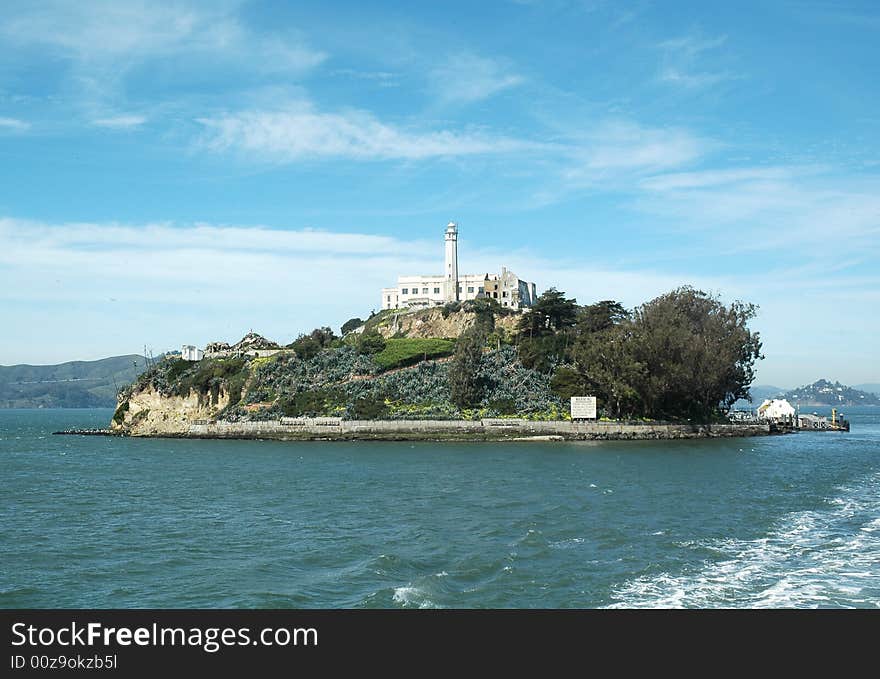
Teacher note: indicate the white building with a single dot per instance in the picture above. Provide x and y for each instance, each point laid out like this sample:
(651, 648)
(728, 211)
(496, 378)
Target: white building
(190, 353)
(432, 290)
(776, 409)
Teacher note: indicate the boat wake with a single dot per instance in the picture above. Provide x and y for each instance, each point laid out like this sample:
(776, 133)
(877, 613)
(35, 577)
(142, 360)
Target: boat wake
(819, 558)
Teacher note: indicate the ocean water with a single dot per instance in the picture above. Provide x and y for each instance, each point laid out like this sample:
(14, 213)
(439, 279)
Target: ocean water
(791, 521)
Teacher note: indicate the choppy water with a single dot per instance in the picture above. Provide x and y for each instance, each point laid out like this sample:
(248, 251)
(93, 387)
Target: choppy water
(104, 522)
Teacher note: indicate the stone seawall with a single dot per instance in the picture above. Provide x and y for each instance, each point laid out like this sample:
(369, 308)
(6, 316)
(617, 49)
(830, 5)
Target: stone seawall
(328, 428)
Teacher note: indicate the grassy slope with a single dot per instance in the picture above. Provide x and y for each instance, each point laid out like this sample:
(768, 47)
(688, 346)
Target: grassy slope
(409, 351)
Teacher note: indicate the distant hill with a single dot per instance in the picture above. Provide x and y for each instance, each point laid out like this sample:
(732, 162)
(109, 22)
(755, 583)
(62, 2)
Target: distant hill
(759, 393)
(826, 393)
(872, 388)
(76, 384)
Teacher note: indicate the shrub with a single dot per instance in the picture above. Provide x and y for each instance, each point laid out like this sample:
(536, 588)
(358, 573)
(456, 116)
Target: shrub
(370, 343)
(313, 403)
(368, 409)
(450, 308)
(305, 347)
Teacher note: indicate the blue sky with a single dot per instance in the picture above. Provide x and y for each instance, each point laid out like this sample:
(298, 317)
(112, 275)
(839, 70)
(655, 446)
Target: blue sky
(181, 172)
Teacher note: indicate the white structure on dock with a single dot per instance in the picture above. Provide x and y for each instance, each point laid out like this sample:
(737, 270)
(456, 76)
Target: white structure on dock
(432, 290)
(776, 409)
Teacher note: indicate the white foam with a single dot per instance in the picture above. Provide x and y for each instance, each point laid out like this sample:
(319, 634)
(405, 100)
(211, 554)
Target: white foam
(410, 596)
(809, 559)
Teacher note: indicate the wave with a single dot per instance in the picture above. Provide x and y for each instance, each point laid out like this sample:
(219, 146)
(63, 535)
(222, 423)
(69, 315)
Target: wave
(412, 597)
(819, 558)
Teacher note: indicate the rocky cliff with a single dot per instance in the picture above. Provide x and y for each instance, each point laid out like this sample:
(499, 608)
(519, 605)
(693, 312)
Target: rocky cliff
(435, 322)
(146, 411)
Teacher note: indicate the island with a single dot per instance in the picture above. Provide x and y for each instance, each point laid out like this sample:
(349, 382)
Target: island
(466, 370)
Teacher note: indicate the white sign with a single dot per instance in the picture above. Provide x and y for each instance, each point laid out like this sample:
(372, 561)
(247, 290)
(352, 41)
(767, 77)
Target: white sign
(583, 407)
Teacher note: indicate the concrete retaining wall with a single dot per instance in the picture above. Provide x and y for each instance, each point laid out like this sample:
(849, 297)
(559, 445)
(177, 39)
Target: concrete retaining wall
(480, 430)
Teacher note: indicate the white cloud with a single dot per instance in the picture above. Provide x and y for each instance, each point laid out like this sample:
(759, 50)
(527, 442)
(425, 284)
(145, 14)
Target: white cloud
(300, 132)
(467, 77)
(676, 76)
(131, 31)
(706, 178)
(679, 66)
(122, 122)
(802, 210)
(618, 152)
(105, 41)
(14, 125)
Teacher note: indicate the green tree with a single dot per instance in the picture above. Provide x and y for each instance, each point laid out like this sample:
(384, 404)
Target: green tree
(600, 316)
(305, 347)
(551, 312)
(465, 385)
(323, 336)
(698, 353)
(350, 325)
(608, 365)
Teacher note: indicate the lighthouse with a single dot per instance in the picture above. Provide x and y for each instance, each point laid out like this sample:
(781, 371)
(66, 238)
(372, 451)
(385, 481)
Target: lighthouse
(451, 269)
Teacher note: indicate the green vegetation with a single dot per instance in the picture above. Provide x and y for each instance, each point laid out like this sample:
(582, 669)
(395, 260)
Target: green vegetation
(308, 346)
(370, 343)
(350, 325)
(403, 352)
(465, 380)
(119, 415)
(206, 376)
(681, 356)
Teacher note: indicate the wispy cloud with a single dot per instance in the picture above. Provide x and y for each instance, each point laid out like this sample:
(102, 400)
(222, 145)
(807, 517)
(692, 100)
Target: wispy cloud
(136, 31)
(680, 63)
(13, 125)
(301, 132)
(103, 43)
(123, 122)
(801, 210)
(615, 154)
(467, 77)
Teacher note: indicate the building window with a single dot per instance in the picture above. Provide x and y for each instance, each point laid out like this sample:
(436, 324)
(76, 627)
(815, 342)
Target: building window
(470, 288)
(504, 294)
(436, 291)
(389, 299)
(495, 295)
(480, 289)
(505, 304)
(424, 291)
(405, 291)
(459, 288)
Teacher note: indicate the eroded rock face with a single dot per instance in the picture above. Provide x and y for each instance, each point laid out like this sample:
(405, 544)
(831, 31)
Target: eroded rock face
(150, 413)
(431, 323)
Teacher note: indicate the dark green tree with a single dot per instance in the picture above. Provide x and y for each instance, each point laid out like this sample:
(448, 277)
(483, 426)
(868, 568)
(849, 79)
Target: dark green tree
(465, 386)
(600, 316)
(698, 353)
(305, 347)
(323, 336)
(551, 312)
(350, 325)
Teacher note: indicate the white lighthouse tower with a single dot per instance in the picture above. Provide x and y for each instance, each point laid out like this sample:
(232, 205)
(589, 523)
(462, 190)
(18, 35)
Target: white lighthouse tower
(451, 270)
